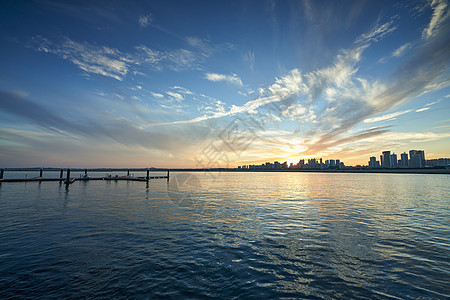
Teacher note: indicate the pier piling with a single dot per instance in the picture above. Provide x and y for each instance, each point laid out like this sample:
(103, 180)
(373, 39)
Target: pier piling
(2, 173)
(61, 174)
(148, 174)
(68, 174)
(128, 172)
(85, 171)
(41, 172)
(168, 175)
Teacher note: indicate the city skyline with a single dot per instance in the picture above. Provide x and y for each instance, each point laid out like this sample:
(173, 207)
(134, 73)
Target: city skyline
(388, 160)
(221, 84)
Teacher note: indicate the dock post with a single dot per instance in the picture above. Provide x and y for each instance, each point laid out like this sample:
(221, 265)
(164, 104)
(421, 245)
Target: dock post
(68, 174)
(61, 174)
(148, 174)
(2, 173)
(128, 173)
(85, 171)
(41, 172)
(168, 171)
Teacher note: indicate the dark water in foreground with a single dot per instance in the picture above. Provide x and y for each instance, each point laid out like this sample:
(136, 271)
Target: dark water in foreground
(259, 235)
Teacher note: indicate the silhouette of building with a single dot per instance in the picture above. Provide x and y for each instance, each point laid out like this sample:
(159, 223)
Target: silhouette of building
(394, 162)
(373, 163)
(313, 163)
(440, 162)
(386, 159)
(332, 163)
(416, 159)
(301, 163)
(404, 160)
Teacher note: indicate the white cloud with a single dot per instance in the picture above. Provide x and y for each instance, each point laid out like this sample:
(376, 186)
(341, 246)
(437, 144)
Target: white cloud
(294, 111)
(181, 59)
(422, 109)
(144, 21)
(111, 62)
(104, 61)
(396, 53)
(203, 45)
(440, 14)
(182, 90)
(249, 59)
(176, 96)
(148, 56)
(288, 85)
(339, 76)
(377, 33)
(341, 98)
(433, 103)
(157, 95)
(230, 79)
(390, 116)
(177, 60)
(401, 50)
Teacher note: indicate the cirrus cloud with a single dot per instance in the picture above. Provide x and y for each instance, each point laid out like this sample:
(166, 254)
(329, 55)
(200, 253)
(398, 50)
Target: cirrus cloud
(230, 79)
(144, 21)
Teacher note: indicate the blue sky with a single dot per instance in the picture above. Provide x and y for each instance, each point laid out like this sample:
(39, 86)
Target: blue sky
(221, 83)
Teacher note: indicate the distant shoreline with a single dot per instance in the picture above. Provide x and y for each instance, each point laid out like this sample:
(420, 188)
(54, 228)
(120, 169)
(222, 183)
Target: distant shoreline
(387, 171)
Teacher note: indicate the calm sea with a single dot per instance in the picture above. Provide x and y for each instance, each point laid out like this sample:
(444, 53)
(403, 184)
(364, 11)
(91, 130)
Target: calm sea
(228, 235)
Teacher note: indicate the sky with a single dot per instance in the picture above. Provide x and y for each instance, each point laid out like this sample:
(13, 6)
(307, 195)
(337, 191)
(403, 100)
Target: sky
(195, 84)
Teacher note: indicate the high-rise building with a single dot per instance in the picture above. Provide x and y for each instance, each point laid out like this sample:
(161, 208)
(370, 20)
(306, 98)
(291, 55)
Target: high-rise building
(386, 159)
(301, 163)
(394, 160)
(381, 160)
(403, 160)
(416, 159)
(373, 162)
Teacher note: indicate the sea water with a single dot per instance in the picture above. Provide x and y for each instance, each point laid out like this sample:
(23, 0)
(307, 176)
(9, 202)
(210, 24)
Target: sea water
(228, 235)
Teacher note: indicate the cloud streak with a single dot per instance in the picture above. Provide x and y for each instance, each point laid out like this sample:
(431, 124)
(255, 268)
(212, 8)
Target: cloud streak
(387, 117)
(230, 79)
(378, 33)
(440, 15)
(110, 128)
(113, 63)
(401, 50)
(99, 60)
(249, 59)
(397, 52)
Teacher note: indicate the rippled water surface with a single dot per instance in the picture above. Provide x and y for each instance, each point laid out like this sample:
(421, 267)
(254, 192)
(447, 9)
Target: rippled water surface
(228, 235)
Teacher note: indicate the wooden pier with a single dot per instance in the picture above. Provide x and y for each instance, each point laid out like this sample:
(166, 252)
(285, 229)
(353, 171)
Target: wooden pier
(68, 179)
